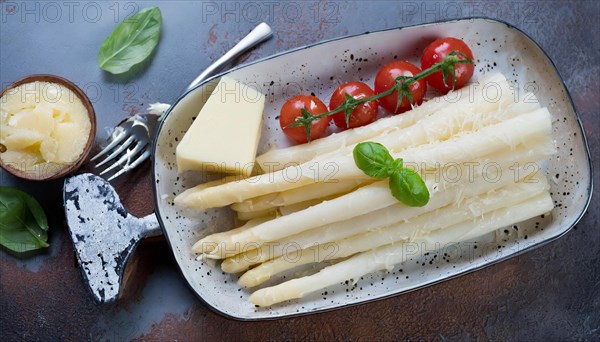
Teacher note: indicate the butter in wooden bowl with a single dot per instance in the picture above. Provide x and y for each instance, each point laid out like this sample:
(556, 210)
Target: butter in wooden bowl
(47, 127)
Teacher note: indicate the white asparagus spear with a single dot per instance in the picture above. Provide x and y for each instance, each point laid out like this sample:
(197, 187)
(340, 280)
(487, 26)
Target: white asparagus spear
(209, 243)
(251, 215)
(443, 190)
(449, 215)
(309, 192)
(279, 211)
(384, 257)
(237, 191)
(506, 134)
(356, 203)
(377, 195)
(466, 231)
(275, 160)
(292, 208)
(231, 244)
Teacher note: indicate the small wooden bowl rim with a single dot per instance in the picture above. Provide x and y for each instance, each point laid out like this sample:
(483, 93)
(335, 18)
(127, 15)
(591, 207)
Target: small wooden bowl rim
(91, 138)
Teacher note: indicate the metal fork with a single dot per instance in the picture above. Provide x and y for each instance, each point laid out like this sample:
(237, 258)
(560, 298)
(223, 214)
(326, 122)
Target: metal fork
(129, 144)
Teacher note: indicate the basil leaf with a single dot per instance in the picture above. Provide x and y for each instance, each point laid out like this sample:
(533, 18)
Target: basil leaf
(408, 187)
(373, 159)
(131, 42)
(34, 229)
(23, 223)
(396, 165)
(12, 208)
(36, 211)
(20, 241)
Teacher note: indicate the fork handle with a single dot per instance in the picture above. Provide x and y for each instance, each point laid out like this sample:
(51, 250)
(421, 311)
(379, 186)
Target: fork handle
(259, 34)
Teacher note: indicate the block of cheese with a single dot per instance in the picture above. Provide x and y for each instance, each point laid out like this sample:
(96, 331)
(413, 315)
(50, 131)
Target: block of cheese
(225, 134)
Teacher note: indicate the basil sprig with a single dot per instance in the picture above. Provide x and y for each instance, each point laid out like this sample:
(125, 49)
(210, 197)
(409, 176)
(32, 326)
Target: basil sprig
(23, 223)
(406, 185)
(131, 42)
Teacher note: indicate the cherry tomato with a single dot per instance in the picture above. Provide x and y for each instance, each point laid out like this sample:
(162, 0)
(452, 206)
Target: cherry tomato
(363, 114)
(386, 79)
(292, 109)
(436, 51)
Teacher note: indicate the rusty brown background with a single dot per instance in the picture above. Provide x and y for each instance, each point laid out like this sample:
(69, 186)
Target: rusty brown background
(550, 294)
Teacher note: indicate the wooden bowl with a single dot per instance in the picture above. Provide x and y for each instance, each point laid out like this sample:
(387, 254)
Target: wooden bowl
(55, 171)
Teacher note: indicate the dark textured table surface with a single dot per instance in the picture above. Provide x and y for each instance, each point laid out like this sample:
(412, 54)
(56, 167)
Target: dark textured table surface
(551, 293)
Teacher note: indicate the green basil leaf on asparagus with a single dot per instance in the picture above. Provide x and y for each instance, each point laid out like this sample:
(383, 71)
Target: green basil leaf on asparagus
(373, 159)
(131, 42)
(406, 185)
(23, 223)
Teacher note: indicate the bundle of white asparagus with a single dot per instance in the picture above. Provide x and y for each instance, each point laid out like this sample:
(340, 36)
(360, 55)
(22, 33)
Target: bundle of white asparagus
(473, 153)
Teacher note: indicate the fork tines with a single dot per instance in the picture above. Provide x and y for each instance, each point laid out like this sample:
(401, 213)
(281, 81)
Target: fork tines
(128, 147)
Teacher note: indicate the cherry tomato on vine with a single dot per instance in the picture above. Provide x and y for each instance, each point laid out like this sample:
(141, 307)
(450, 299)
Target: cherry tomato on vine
(436, 51)
(363, 114)
(291, 109)
(386, 79)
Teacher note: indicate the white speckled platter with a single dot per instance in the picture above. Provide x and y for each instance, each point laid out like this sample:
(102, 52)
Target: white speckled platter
(319, 69)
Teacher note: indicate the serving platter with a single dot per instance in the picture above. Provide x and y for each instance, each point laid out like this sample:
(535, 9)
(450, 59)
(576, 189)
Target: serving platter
(319, 69)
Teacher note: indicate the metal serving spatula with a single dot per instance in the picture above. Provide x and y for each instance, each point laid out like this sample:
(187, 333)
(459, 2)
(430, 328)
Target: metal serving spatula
(104, 234)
